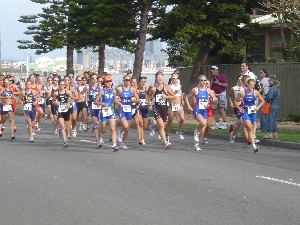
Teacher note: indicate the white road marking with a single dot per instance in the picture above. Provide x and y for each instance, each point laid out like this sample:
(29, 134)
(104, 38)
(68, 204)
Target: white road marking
(277, 180)
(93, 142)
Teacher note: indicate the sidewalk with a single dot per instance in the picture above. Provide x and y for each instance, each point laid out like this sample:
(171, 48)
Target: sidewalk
(264, 142)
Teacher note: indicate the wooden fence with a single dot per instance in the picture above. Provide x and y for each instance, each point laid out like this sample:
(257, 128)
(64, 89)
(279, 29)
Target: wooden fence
(287, 73)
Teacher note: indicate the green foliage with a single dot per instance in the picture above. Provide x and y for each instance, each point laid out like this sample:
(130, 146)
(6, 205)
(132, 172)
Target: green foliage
(290, 117)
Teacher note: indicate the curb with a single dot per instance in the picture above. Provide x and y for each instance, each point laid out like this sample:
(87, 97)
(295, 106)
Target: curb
(264, 142)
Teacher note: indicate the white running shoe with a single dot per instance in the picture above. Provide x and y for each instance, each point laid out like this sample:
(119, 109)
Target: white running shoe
(159, 137)
(216, 126)
(231, 138)
(123, 146)
(80, 127)
(55, 132)
(66, 145)
(196, 147)
(31, 139)
(179, 133)
(255, 148)
(84, 127)
(196, 136)
(168, 146)
(38, 129)
(99, 143)
(152, 131)
(74, 134)
(168, 138)
(204, 141)
(143, 142)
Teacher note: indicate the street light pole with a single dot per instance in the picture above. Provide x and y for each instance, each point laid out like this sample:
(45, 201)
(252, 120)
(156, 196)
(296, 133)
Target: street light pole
(27, 64)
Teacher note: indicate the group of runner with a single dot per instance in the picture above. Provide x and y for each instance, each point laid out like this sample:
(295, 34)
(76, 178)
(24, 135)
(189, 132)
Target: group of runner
(69, 100)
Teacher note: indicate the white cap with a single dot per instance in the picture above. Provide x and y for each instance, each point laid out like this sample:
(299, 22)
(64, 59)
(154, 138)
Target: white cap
(214, 67)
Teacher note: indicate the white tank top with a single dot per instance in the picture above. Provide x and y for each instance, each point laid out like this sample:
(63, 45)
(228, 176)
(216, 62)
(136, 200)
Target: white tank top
(176, 89)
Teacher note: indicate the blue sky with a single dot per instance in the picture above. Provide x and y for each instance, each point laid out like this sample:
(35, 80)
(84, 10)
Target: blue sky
(12, 30)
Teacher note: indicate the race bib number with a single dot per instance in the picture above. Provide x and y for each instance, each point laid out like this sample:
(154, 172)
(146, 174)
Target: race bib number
(27, 107)
(159, 99)
(176, 107)
(42, 101)
(94, 106)
(107, 111)
(63, 108)
(126, 108)
(7, 108)
(202, 105)
(143, 101)
(251, 109)
(51, 98)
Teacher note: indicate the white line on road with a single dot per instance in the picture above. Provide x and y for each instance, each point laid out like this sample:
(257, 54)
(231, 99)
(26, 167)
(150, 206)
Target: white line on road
(277, 180)
(88, 141)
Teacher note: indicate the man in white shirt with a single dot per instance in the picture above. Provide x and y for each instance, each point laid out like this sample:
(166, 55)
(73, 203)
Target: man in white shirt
(263, 74)
(246, 71)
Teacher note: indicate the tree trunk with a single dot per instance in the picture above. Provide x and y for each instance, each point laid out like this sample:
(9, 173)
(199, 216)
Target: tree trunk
(70, 58)
(140, 46)
(283, 39)
(201, 60)
(101, 53)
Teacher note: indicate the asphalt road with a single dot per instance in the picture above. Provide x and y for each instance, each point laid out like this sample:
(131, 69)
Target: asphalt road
(43, 183)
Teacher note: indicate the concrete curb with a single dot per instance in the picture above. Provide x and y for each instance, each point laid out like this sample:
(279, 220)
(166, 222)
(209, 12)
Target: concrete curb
(264, 142)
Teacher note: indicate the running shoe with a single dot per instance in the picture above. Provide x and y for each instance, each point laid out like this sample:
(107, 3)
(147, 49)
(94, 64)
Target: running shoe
(168, 138)
(196, 147)
(115, 148)
(38, 129)
(80, 127)
(143, 142)
(159, 137)
(256, 140)
(69, 136)
(179, 133)
(230, 128)
(152, 131)
(255, 148)
(99, 144)
(123, 146)
(84, 127)
(196, 136)
(231, 138)
(216, 126)
(168, 146)
(15, 129)
(31, 139)
(204, 141)
(33, 133)
(140, 142)
(101, 141)
(55, 132)
(66, 145)
(74, 134)
(12, 137)
(45, 117)
(224, 126)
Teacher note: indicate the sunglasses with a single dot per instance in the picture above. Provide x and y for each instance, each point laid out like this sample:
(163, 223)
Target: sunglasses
(62, 84)
(55, 80)
(108, 81)
(174, 78)
(50, 80)
(79, 80)
(202, 80)
(126, 79)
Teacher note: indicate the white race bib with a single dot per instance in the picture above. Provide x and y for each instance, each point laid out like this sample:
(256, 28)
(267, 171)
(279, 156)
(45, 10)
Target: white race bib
(126, 108)
(143, 102)
(202, 105)
(94, 106)
(107, 111)
(42, 101)
(27, 107)
(251, 109)
(63, 108)
(176, 107)
(160, 99)
(6, 108)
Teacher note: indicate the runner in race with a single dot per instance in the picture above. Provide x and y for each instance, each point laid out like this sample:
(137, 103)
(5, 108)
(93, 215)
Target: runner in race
(201, 94)
(62, 98)
(106, 99)
(126, 96)
(29, 98)
(176, 107)
(160, 93)
(81, 103)
(7, 98)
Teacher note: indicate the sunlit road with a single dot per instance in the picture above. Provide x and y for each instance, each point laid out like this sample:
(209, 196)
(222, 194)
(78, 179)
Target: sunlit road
(43, 183)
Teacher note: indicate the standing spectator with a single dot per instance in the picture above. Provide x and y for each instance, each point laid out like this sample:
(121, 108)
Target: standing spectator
(218, 85)
(246, 71)
(273, 97)
(263, 73)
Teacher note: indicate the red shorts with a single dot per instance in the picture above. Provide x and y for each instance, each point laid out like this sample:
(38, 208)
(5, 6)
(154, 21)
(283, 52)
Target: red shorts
(209, 111)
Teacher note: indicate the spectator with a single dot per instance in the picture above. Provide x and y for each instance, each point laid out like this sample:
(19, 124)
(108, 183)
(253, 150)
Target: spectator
(246, 71)
(263, 73)
(218, 85)
(273, 97)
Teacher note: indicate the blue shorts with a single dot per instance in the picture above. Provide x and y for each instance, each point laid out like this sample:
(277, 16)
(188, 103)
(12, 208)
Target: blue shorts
(122, 114)
(104, 119)
(42, 106)
(251, 116)
(74, 106)
(202, 112)
(144, 111)
(30, 114)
